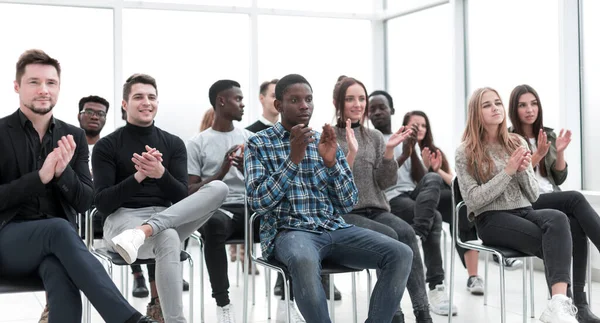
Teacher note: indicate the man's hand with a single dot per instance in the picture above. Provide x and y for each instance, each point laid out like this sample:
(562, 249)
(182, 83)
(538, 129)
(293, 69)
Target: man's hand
(148, 164)
(48, 168)
(228, 160)
(238, 160)
(328, 146)
(64, 153)
(300, 137)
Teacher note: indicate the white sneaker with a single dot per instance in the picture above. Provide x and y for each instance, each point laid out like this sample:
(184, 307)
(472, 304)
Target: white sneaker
(295, 315)
(438, 301)
(560, 310)
(475, 285)
(225, 314)
(128, 242)
(510, 263)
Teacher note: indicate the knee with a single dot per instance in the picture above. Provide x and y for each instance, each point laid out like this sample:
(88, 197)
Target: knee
(219, 189)
(214, 229)
(399, 253)
(433, 179)
(558, 219)
(59, 226)
(168, 240)
(303, 263)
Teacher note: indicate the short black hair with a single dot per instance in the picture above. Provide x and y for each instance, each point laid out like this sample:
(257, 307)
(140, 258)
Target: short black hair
(265, 85)
(94, 99)
(136, 79)
(387, 96)
(218, 87)
(286, 82)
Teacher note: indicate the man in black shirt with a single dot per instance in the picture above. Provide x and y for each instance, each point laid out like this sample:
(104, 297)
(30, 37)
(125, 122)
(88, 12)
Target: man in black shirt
(270, 115)
(44, 182)
(141, 184)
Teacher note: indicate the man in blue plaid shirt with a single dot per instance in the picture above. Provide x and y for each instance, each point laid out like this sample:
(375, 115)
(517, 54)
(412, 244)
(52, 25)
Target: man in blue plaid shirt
(300, 182)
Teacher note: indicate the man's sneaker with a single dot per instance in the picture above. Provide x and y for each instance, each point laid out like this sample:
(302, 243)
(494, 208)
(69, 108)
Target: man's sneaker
(438, 301)
(225, 314)
(128, 242)
(44, 317)
(560, 310)
(510, 263)
(475, 285)
(295, 315)
(278, 290)
(139, 287)
(154, 311)
(337, 295)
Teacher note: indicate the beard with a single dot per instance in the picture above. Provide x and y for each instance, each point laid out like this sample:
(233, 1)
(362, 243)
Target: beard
(92, 133)
(40, 111)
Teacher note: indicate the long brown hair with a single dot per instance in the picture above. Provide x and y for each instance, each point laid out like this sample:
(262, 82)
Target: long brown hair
(427, 141)
(479, 163)
(517, 125)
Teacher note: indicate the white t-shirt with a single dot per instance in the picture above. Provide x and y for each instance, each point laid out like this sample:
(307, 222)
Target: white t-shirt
(545, 185)
(90, 148)
(205, 157)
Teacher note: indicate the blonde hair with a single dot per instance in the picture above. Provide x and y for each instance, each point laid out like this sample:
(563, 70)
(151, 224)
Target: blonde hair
(479, 164)
(207, 119)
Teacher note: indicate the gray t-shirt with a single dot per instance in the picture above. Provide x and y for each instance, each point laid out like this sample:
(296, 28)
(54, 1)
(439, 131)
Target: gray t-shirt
(404, 183)
(205, 156)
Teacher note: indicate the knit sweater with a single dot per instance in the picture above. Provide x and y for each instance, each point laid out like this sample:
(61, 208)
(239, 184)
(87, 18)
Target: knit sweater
(502, 191)
(372, 173)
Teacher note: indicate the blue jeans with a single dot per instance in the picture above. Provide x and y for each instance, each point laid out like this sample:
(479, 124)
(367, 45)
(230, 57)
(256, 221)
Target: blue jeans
(302, 252)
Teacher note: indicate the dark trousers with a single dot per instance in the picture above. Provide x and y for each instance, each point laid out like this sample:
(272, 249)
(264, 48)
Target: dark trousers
(544, 233)
(584, 223)
(419, 209)
(386, 223)
(215, 232)
(52, 249)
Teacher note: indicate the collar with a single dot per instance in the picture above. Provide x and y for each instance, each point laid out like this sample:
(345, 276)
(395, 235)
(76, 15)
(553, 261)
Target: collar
(265, 121)
(24, 120)
(280, 131)
(140, 130)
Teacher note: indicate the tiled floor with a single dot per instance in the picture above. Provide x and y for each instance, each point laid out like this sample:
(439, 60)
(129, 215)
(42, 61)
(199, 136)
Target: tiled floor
(26, 308)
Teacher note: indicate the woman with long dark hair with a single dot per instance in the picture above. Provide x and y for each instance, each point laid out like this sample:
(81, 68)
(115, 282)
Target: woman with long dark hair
(550, 166)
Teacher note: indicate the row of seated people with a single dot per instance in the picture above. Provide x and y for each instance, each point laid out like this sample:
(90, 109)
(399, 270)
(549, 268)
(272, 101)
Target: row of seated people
(309, 186)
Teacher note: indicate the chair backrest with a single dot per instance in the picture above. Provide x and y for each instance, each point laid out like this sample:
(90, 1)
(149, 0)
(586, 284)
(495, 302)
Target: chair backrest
(456, 192)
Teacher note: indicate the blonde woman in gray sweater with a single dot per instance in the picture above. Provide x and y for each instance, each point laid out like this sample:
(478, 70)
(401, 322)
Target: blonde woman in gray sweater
(498, 184)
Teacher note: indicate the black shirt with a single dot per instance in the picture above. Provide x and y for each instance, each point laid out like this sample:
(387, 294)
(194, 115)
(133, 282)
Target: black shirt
(257, 126)
(114, 183)
(45, 205)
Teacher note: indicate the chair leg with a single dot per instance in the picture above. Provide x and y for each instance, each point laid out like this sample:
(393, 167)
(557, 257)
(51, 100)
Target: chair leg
(524, 290)
(531, 287)
(444, 258)
(237, 262)
(354, 313)
(451, 291)
(331, 299)
(286, 292)
(369, 288)
(502, 289)
(268, 273)
(123, 286)
(191, 264)
(253, 276)
(485, 282)
(201, 254)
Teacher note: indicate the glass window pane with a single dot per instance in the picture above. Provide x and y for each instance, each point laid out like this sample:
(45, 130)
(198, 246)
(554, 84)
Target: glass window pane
(512, 42)
(315, 49)
(186, 52)
(405, 5)
(420, 71)
(343, 6)
(591, 95)
(85, 53)
(220, 3)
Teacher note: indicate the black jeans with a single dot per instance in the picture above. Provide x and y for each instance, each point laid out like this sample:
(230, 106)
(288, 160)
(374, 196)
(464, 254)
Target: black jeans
(419, 209)
(386, 223)
(215, 232)
(466, 230)
(52, 249)
(584, 222)
(544, 233)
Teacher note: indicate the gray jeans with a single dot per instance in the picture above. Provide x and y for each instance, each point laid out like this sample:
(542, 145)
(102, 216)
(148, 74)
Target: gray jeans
(171, 226)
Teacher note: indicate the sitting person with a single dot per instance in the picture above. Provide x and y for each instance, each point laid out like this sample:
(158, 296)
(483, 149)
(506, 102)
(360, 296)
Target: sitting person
(498, 185)
(43, 185)
(548, 158)
(300, 181)
(141, 184)
(415, 195)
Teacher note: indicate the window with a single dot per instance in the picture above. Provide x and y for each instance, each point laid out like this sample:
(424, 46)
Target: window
(81, 39)
(340, 6)
(320, 49)
(591, 98)
(220, 3)
(186, 52)
(420, 71)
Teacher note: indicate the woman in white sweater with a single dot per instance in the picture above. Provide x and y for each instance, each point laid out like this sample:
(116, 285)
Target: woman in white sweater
(498, 185)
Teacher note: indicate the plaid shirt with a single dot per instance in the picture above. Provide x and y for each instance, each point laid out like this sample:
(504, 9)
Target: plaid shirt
(307, 197)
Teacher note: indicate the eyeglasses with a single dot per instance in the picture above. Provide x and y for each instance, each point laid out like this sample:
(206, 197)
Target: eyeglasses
(90, 113)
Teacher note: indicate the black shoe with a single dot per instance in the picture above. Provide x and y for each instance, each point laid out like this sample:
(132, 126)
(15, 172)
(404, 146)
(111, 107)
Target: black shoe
(186, 286)
(336, 293)
(423, 316)
(510, 263)
(278, 290)
(139, 287)
(584, 315)
(398, 317)
(145, 319)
